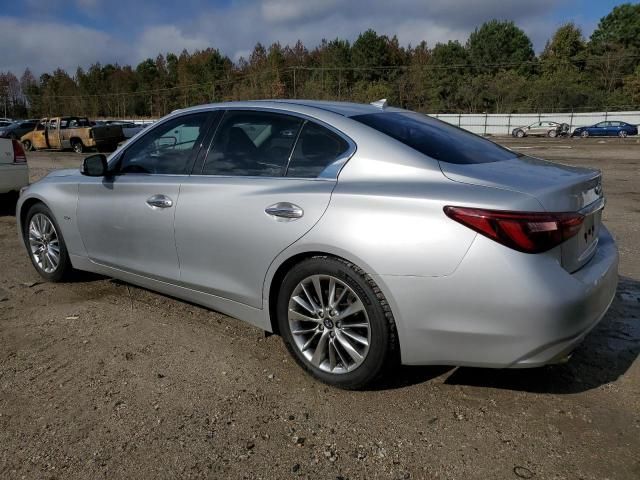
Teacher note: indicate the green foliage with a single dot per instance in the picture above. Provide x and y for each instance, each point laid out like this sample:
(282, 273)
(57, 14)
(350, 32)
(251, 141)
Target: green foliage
(620, 27)
(499, 43)
(495, 71)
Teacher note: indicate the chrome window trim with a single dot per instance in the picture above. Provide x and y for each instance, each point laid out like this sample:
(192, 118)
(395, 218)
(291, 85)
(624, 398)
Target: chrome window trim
(330, 172)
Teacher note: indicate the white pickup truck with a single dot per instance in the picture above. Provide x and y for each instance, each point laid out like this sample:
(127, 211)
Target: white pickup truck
(14, 171)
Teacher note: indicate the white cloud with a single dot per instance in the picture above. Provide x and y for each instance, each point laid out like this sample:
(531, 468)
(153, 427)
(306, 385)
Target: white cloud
(44, 46)
(166, 38)
(145, 28)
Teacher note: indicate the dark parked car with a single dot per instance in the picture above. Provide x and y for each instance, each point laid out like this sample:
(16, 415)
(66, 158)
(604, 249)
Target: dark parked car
(17, 129)
(606, 129)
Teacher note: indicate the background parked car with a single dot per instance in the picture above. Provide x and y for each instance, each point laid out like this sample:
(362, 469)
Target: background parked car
(58, 133)
(606, 129)
(5, 123)
(546, 129)
(17, 129)
(14, 172)
(129, 129)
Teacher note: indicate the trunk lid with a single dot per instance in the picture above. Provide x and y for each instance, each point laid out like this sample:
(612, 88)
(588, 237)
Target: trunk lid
(558, 188)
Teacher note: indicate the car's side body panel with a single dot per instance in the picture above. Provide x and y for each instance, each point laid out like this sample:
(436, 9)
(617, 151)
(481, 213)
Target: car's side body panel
(225, 239)
(120, 229)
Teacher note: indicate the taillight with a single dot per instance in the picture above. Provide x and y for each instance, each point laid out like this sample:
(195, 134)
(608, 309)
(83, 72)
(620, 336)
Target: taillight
(528, 232)
(18, 152)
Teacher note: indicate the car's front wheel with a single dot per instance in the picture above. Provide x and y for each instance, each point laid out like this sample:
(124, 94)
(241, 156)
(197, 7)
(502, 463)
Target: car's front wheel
(27, 145)
(519, 133)
(47, 249)
(336, 322)
(552, 133)
(584, 133)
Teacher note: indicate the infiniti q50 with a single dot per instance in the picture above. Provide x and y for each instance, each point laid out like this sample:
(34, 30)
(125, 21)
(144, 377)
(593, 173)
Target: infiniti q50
(363, 235)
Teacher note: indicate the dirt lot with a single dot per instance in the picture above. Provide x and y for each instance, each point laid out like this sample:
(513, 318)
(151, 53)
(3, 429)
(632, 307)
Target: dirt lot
(101, 379)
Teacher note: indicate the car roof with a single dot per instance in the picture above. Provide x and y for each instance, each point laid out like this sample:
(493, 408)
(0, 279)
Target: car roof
(347, 109)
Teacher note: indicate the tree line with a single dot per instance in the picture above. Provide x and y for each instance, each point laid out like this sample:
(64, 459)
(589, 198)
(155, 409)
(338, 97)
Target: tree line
(495, 71)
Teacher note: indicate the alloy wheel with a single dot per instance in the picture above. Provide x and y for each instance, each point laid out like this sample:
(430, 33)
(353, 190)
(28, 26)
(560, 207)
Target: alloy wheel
(44, 243)
(329, 324)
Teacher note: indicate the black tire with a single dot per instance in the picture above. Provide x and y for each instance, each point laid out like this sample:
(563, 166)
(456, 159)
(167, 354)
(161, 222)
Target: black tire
(622, 134)
(584, 133)
(520, 133)
(77, 146)
(383, 350)
(64, 269)
(28, 146)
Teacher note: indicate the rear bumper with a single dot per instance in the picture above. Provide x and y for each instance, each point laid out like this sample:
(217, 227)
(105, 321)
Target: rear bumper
(502, 308)
(13, 177)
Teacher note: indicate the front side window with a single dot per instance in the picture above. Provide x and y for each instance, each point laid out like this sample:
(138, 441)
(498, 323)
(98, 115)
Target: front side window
(316, 149)
(167, 149)
(435, 138)
(252, 143)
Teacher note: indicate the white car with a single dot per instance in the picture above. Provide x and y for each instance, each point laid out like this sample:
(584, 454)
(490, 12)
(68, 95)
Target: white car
(14, 171)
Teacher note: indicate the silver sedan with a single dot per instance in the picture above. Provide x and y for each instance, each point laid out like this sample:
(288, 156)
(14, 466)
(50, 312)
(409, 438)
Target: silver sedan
(364, 235)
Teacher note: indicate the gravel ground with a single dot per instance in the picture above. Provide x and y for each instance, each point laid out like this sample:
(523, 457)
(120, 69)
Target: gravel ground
(102, 379)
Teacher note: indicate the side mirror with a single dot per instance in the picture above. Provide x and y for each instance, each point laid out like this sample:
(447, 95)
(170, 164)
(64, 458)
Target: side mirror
(94, 166)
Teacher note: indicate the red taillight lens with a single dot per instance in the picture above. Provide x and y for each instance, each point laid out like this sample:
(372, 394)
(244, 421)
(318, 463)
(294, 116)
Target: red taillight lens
(18, 152)
(528, 232)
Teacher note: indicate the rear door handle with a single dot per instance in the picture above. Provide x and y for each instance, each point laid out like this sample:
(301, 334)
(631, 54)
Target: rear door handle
(159, 201)
(284, 210)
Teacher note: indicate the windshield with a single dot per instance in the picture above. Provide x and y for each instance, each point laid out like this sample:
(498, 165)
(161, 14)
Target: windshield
(435, 138)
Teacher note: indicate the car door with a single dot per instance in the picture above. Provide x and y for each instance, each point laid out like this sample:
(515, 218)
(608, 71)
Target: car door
(39, 136)
(599, 129)
(536, 129)
(53, 132)
(264, 183)
(126, 220)
(613, 128)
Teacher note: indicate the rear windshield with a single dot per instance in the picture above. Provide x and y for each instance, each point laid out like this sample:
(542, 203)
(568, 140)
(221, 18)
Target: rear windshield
(436, 138)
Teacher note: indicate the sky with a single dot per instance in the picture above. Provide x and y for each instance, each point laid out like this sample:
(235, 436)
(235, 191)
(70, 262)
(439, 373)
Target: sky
(46, 34)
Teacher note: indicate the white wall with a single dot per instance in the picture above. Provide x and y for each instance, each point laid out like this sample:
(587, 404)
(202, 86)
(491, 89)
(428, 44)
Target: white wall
(503, 124)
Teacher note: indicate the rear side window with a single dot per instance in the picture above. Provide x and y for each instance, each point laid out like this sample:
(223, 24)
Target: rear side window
(316, 149)
(435, 138)
(250, 143)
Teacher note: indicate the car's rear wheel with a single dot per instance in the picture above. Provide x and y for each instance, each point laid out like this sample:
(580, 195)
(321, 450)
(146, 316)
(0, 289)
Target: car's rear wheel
(622, 134)
(584, 134)
(27, 145)
(47, 249)
(336, 322)
(77, 146)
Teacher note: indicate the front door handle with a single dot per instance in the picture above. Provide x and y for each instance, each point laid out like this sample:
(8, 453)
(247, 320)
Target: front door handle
(285, 210)
(159, 201)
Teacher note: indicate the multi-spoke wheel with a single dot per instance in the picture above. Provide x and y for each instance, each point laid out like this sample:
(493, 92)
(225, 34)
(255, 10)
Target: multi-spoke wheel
(336, 322)
(329, 324)
(44, 243)
(46, 246)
